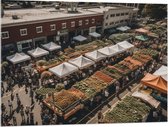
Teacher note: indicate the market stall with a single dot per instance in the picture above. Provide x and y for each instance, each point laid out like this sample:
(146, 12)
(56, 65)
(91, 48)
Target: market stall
(117, 48)
(51, 46)
(38, 52)
(147, 98)
(18, 58)
(141, 37)
(129, 109)
(108, 51)
(95, 55)
(123, 28)
(141, 30)
(63, 69)
(65, 103)
(95, 34)
(79, 38)
(81, 62)
(162, 71)
(155, 82)
(126, 45)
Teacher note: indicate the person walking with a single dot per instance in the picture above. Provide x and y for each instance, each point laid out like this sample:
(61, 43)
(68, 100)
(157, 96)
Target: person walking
(22, 115)
(100, 116)
(10, 106)
(12, 96)
(14, 121)
(27, 110)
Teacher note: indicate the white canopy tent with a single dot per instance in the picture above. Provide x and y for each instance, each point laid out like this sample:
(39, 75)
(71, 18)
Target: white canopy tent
(63, 69)
(38, 52)
(94, 34)
(51, 46)
(81, 62)
(147, 98)
(125, 44)
(117, 48)
(107, 51)
(162, 71)
(95, 55)
(79, 38)
(18, 58)
(123, 28)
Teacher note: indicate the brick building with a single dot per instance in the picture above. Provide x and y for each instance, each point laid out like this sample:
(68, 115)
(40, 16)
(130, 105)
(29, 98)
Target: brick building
(33, 27)
(25, 29)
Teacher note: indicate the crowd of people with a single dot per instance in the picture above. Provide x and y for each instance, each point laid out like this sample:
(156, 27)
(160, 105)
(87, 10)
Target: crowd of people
(31, 80)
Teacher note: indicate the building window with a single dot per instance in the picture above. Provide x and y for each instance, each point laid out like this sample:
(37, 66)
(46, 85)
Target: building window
(111, 23)
(73, 24)
(5, 35)
(126, 13)
(107, 17)
(23, 32)
(106, 24)
(39, 29)
(118, 14)
(86, 21)
(52, 27)
(63, 25)
(122, 14)
(93, 21)
(80, 22)
(112, 15)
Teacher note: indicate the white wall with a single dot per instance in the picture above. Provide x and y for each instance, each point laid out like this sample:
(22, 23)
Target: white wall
(117, 19)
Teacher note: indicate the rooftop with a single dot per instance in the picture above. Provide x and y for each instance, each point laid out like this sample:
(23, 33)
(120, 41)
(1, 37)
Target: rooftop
(41, 14)
(27, 15)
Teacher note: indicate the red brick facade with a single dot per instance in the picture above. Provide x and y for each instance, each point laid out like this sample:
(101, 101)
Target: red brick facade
(14, 31)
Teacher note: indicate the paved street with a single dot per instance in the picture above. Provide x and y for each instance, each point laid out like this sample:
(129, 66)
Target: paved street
(25, 100)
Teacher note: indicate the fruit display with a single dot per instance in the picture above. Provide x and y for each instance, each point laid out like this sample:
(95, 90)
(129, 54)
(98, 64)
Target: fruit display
(100, 75)
(142, 58)
(96, 84)
(43, 91)
(122, 68)
(85, 88)
(112, 73)
(121, 36)
(130, 109)
(149, 52)
(77, 92)
(64, 98)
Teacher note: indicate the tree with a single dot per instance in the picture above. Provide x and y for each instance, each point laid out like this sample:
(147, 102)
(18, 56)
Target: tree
(155, 11)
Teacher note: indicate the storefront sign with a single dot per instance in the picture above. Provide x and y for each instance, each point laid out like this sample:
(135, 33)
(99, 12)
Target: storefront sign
(63, 32)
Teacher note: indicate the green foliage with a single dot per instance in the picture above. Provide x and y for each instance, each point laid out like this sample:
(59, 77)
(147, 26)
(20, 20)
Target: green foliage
(129, 109)
(155, 11)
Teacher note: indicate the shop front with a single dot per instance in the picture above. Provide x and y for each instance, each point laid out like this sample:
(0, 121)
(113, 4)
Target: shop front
(24, 45)
(39, 41)
(8, 49)
(63, 38)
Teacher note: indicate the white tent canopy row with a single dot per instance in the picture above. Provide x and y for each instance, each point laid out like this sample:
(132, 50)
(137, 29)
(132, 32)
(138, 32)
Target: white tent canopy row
(115, 49)
(108, 51)
(79, 38)
(51, 46)
(125, 44)
(38, 52)
(162, 71)
(81, 62)
(18, 58)
(63, 69)
(123, 28)
(94, 34)
(95, 55)
(147, 98)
